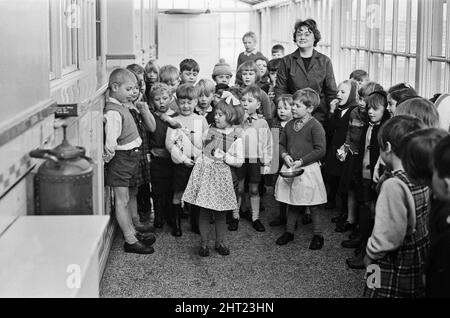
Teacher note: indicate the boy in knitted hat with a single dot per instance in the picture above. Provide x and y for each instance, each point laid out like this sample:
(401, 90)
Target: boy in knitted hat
(222, 73)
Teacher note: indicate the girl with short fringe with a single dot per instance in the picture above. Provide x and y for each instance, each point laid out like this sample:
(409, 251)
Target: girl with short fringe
(249, 74)
(151, 76)
(211, 184)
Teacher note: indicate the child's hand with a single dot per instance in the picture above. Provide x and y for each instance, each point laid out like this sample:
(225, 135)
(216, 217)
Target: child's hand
(170, 121)
(142, 107)
(333, 105)
(367, 261)
(297, 164)
(189, 163)
(289, 161)
(341, 153)
(219, 154)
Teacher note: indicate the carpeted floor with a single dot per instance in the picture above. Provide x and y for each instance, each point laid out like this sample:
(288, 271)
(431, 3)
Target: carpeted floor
(256, 267)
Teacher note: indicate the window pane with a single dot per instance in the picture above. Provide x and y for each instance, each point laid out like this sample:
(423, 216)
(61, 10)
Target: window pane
(438, 82)
(412, 72)
(401, 33)
(242, 23)
(227, 25)
(414, 14)
(387, 72)
(354, 8)
(362, 24)
(227, 51)
(197, 4)
(362, 63)
(400, 70)
(388, 25)
(353, 59)
(180, 4)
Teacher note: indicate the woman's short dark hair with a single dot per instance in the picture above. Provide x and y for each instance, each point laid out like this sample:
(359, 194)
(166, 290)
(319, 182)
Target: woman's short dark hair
(416, 152)
(398, 86)
(311, 25)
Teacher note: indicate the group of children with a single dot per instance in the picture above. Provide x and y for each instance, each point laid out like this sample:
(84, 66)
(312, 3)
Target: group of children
(202, 145)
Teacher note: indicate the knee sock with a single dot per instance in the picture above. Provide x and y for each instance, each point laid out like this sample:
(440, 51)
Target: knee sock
(317, 224)
(254, 202)
(203, 225)
(220, 227)
(291, 214)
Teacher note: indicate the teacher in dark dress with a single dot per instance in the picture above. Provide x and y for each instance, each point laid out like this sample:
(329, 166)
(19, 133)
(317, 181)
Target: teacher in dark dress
(307, 68)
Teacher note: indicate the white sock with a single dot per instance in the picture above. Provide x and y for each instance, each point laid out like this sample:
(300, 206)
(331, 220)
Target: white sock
(254, 203)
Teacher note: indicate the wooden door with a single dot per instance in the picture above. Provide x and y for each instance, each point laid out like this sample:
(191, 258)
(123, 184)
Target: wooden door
(183, 36)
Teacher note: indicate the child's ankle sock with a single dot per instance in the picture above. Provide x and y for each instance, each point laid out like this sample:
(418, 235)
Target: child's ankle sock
(254, 203)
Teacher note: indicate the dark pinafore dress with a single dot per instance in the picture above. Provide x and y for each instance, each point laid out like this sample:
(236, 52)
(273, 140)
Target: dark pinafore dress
(402, 270)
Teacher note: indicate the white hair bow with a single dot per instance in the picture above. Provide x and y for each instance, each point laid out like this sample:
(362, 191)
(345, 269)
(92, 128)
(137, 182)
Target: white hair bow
(230, 98)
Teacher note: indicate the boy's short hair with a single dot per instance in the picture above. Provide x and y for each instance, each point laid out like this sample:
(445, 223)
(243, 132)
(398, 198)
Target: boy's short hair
(403, 94)
(169, 73)
(249, 34)
(186, 91)
(277, 48)
(205, 87)
(159, 88)
(358, 75)
(152, 66)
(395, 129)
(368, 88)
(311, 25)
(136, 69)
(285, 98)
(421, 108)
(189, 65)
(253, 90)
(441, 158)
(249, 66)
(307, 96)
(121, 76)
(273, 65)
(417, 153)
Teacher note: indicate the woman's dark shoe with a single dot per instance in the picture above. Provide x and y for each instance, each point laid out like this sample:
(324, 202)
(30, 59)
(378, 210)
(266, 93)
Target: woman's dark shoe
(316, 242)
(222, 250)
(277, 222)
(340, 218)
(356, 262)
(258, 226)
(285, 238)
(234, 224)
(344, 227)
(306, 219)
(138, 248)
(352, 243)
(146, 238)
(203, 251)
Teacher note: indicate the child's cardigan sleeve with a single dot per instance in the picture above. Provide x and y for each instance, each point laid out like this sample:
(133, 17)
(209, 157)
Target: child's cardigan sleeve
(395, 217)
(265, 144)
(318, 144)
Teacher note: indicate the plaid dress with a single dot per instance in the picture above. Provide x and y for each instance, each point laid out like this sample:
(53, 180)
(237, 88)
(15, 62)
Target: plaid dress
(402, 270)
(143, 177)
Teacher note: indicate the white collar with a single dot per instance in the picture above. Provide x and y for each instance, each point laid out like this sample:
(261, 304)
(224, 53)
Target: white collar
(250, 53)
(207, 110)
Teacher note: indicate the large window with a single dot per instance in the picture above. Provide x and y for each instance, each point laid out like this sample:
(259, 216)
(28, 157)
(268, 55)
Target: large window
(73, 33)
(380, 36)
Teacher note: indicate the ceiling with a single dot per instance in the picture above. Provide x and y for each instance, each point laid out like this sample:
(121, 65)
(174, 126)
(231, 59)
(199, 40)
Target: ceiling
(252, 2)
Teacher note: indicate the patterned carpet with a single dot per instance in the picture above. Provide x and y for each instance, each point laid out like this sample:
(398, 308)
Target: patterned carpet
(256, 267)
